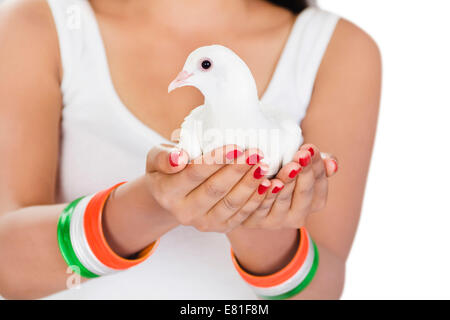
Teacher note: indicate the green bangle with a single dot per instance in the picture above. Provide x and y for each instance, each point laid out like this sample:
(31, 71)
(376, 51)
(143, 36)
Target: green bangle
(65, 245)
(304, 283)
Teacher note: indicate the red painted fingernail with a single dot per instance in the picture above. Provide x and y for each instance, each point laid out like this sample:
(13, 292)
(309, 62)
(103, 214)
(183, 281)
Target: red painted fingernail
(311, 150)
(254, 159)
(173, 159)
(234, 154)
(277, 189)
(262, 189)
(293, 173)
(335, 166)
(305, 161)
(259, 173)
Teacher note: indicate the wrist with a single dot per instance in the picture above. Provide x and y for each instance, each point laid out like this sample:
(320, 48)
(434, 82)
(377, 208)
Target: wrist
(82, 241)
(263, 251)
(132, 218)
(289, 281)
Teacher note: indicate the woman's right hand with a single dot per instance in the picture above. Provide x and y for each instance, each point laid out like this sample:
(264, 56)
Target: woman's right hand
(215, 193)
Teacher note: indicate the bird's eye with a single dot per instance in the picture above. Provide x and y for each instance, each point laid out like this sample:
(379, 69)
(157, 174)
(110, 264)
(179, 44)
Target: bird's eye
(206, 64)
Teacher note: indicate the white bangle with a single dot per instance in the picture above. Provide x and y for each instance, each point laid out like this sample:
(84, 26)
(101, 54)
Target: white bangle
(80, 244)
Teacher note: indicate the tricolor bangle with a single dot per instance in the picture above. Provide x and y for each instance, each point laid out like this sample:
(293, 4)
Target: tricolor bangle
(292, 279)
(80, 244)
(83, 244)
(65, 243)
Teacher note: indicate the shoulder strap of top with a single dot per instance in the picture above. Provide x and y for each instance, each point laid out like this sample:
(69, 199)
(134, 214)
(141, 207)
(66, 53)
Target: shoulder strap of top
(311, 36)
(301, 59)
(75, 26)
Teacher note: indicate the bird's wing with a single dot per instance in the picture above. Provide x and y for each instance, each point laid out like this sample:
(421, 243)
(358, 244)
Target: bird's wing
(191, 132)
(291, 137)
(274, 113)
(292, 140)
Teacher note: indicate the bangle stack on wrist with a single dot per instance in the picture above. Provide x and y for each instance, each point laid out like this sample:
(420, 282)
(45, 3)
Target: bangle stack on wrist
(292, 279)
(83, 244)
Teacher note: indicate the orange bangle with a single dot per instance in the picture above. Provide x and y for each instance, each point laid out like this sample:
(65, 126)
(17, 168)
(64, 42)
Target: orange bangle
(284, 274)
(96, 238)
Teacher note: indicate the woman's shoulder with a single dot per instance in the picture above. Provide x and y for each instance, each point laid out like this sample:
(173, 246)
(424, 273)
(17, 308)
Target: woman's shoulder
(347, 88)
(33, 14)
(28, 24)
(350, 36)
(351, 54)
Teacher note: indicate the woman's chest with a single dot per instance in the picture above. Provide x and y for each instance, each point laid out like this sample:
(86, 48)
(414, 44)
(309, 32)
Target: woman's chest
(142, 66)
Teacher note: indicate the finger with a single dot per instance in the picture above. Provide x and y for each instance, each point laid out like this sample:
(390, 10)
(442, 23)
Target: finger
(240, 193)
(288, 175)
(329, 161)
(166, 159)
(259, 215)
(214, 188)
(331, 164)
(320, 194)
(303, 157)
(313, 151)
(316, 164)
(250, 206)
(200, 169)
(304, 191)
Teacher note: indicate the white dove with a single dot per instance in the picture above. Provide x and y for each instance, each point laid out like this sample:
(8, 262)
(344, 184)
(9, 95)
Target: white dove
(232, 112)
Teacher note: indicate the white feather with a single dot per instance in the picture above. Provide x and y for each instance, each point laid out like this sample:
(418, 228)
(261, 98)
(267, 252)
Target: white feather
(232, 112)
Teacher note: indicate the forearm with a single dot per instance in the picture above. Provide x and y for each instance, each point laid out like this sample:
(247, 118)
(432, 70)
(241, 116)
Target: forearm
(32, 265)
(132, 219)
(264, 252)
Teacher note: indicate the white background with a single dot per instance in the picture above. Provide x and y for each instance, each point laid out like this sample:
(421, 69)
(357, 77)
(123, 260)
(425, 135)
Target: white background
(402, 248)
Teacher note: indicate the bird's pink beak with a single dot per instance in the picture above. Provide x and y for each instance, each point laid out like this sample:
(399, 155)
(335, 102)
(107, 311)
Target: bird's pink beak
(180, 80)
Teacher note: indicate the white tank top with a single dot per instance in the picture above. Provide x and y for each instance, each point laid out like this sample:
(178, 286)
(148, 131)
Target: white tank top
(103, 143)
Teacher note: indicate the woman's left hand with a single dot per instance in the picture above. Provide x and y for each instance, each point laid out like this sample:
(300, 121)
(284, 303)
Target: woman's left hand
(299, 189)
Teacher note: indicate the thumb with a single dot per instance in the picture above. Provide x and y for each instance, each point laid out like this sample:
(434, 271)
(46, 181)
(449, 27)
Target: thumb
(166, 159)
(330, 162)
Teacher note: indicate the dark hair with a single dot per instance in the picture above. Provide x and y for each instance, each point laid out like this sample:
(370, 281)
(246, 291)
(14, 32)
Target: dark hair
(296, 6)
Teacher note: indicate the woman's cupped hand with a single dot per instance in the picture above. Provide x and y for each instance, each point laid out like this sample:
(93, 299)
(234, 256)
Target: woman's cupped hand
(228, 188)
